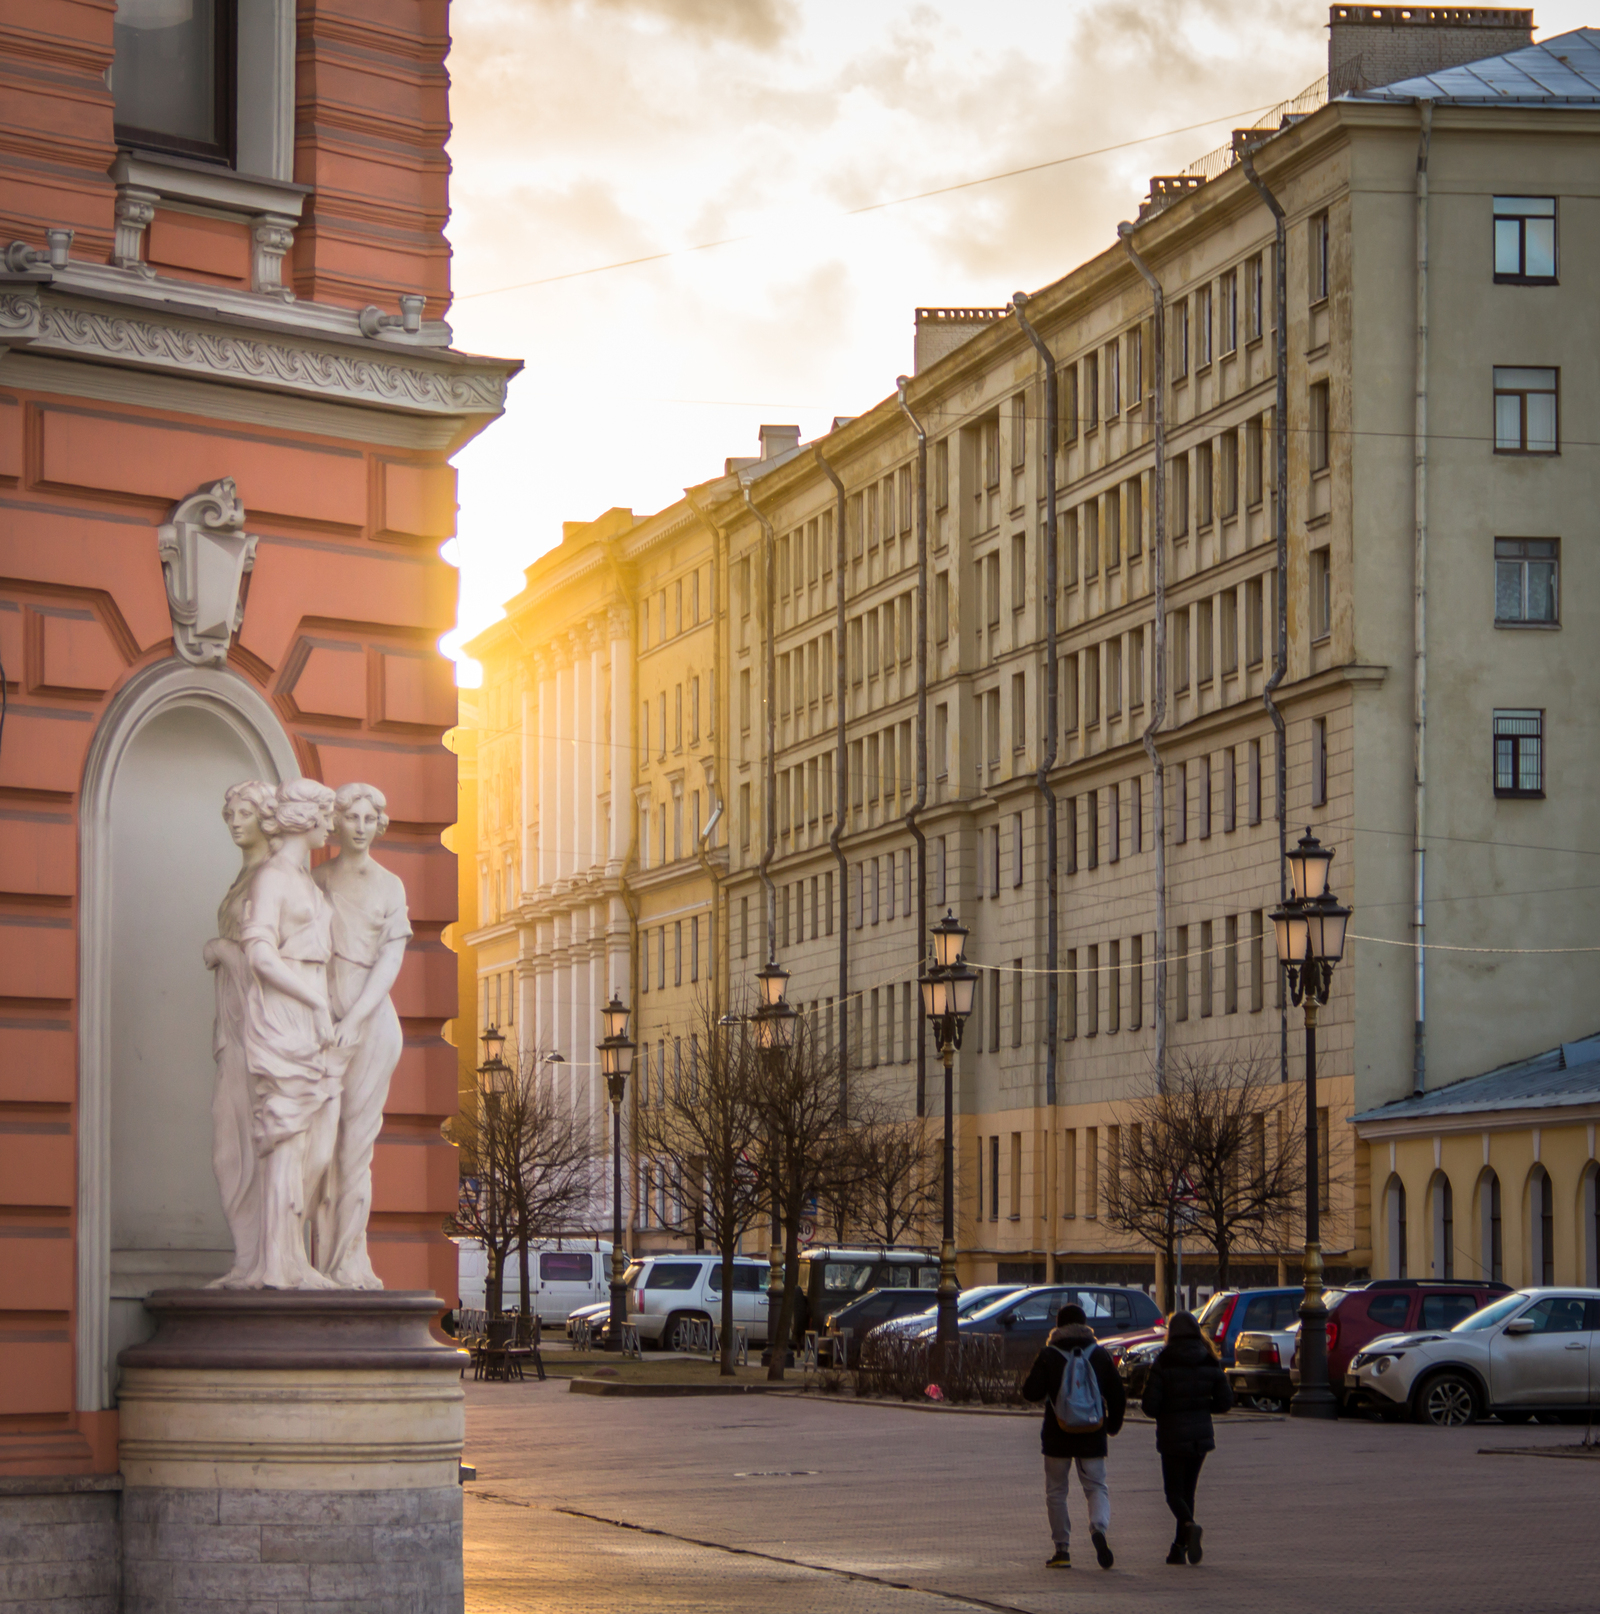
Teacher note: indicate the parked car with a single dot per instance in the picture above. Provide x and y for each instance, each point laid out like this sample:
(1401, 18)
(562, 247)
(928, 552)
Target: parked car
(1259, 1376)
(596, 1314)
(1361, 1312)
(1532, 1351)
(1024, 1320)
(1230, 1312)
(967, 1302)
(831, 1277)
(862, 1316)
(667, 1291)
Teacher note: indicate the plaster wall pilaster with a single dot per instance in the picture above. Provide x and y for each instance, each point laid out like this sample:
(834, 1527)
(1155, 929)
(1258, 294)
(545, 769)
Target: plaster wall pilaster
(621, 771)
(565, 798)
(583, 802)
(547, 779)
(529, 705)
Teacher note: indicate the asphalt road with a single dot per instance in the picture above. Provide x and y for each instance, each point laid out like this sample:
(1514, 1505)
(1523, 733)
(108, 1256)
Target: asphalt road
(800, 1503)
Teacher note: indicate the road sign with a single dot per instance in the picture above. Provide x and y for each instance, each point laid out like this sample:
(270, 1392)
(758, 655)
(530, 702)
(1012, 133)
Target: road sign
(808, 1230)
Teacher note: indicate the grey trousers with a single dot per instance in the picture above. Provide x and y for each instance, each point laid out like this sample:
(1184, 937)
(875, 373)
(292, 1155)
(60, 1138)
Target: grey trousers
(1092, 1476)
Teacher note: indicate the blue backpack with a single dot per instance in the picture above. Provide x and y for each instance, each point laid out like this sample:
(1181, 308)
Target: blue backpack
(1079, 1406)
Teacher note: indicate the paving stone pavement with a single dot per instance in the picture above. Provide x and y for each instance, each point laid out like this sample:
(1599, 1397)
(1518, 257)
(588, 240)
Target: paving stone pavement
(809, 1503)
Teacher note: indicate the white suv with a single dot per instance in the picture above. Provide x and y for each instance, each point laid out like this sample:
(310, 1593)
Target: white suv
(667, 1291)
(1525, 1353)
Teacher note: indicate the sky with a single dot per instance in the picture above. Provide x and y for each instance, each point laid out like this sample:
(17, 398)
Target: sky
(590, 133)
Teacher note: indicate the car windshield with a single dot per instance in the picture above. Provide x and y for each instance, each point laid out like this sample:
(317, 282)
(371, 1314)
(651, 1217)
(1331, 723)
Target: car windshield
(1496, 1312)
(975, 1300)
(990, 1308)
(1212, 1307)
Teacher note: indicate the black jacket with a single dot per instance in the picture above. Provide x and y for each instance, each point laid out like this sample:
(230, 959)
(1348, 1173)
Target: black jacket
(1185, 1387)
(1044, 1379)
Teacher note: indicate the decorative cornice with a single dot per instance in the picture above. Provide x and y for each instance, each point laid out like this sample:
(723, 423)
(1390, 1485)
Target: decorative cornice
(257, 360)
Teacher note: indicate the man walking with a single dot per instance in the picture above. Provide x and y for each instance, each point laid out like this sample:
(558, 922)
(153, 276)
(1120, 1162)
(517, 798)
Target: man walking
(1084, 1403)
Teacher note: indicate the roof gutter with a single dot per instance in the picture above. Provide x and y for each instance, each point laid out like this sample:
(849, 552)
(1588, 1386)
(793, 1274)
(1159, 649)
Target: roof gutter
(770, 706)
(1280, 533)
(1419, 623)
(1158, 645)
(1052, 716)
(901, 382)
(840, 778)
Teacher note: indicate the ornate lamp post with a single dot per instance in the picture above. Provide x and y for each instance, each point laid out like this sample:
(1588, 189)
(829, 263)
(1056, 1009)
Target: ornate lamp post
(948, 984)
(494, 1077)
(616, 1061)
(773, 1025)
(1310, 931)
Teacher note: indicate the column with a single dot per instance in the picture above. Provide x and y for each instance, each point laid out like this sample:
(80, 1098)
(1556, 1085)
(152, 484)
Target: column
(559, 822)
(547, 775)
(528, 796)
(623, 808)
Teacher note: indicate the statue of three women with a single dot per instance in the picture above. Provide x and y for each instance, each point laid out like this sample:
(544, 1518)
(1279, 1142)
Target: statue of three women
(306, 1036)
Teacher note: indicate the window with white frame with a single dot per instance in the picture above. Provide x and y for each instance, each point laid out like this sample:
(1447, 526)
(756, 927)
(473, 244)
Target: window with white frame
(1319, 257)
(1519, 753)
(1526, 581)
(1525, 410)
(1525, 240)
(1321, 593)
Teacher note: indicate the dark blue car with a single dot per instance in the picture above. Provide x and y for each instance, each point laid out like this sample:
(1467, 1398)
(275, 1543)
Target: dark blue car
(1232, 1312)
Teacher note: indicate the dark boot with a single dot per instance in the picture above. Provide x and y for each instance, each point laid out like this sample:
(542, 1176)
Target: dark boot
(1193, 1543)
(1176, 1554)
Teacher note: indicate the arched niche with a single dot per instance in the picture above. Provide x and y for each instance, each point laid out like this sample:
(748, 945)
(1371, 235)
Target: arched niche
(1397, 1232)
(155, 860)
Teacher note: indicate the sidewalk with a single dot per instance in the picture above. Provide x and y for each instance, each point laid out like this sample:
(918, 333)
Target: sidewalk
(826, 1504)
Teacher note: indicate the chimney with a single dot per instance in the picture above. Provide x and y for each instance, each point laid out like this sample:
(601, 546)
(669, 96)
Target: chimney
(1370, 46)
(943, 330)
(776, 440)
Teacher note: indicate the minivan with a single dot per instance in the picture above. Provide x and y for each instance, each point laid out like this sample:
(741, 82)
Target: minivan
(563, 1274)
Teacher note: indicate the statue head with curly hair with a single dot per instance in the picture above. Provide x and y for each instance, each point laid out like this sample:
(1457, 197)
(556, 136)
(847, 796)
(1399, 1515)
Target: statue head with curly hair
(245, 810)
(301, 807)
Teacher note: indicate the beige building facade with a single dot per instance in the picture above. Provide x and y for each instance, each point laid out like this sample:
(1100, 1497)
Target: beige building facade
(871, 739)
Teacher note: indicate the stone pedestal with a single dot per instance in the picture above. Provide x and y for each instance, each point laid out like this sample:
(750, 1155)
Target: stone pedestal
(291, 1450)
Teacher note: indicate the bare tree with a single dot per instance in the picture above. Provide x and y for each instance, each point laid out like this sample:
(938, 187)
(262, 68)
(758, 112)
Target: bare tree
(805, 1147)
(1227, 1132)
(531, 1172)
(711, 1130)
(889, 1170)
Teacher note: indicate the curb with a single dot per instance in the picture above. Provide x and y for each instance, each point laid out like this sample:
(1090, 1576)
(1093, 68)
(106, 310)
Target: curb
(581, 1386)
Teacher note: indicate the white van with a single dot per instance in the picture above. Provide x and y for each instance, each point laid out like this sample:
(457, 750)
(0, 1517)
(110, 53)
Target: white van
(563, 1274)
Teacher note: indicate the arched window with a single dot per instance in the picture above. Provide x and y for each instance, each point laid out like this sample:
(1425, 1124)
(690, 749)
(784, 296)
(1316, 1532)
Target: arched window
(1591, 1225)
(1541, 1228)
(1491, 1249)
(1396, 1206)
(1444, 1227)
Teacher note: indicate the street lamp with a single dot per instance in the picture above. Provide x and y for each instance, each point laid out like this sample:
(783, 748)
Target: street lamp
(494, 1077)
(773, 1023)
(1309, 930)
(948, 985)
(616, 1061)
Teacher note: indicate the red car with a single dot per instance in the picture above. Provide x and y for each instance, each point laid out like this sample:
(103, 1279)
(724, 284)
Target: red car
(1360, 1312)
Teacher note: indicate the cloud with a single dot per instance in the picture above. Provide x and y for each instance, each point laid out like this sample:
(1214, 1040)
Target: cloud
(759, 24)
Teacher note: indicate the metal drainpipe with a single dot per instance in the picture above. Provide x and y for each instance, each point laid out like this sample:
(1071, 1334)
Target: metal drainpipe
(1280, 533)
(1158, 646)
(1047, 759)
(706, 839)
(770, 705)
(900, 384)
(1419, 626)
(840, 780)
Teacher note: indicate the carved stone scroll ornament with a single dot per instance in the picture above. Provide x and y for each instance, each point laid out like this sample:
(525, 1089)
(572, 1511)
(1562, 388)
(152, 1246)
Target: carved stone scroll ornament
(204, 555)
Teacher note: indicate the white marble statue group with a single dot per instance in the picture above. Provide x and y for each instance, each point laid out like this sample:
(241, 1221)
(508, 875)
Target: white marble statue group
(306, 1035)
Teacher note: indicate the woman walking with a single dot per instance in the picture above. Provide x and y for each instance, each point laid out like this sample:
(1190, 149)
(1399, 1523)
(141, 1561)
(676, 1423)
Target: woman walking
(1186, 1386)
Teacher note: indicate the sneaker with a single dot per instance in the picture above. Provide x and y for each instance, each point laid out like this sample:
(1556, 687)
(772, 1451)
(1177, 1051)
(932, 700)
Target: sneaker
(1193, 1543)
(1101, 1550)
(1175, 1553)
(1060, 1559)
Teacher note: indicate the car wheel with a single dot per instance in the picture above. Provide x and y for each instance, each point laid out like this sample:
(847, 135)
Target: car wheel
(675, 1336)
(1447, 1401)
